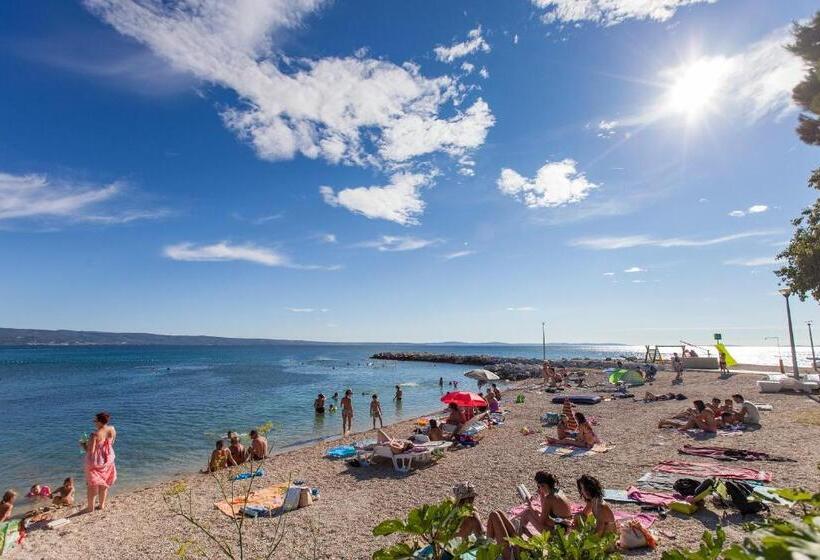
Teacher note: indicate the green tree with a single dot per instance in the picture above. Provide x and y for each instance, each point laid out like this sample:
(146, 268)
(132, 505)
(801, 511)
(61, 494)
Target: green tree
(801, 271)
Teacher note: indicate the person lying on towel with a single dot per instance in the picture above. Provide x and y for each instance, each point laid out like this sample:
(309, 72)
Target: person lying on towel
(397, 446)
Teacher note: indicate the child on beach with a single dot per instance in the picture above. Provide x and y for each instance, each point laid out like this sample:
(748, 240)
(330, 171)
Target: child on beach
(376, 411)
(64, 495)
(7, 505)
(39, 491)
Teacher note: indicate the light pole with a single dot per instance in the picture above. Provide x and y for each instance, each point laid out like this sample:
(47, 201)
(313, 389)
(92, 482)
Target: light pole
(779, 354)
(786, 293)
(811, 341)
(543, 341)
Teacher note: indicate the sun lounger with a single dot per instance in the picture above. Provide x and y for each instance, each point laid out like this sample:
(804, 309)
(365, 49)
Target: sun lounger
(403, 462)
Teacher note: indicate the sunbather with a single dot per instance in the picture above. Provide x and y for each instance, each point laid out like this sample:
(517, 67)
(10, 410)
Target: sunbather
(563, 430)
(499, 528)
(397, 446)
(220, 458)
(435, 433)
(237, 450)
(726, 420)
(7, 505)
(555, 507)
(716, 406)
(492, 402)
(585, 437)
(259, 446)
(728, 406)
(703, 418)
(64, 495)
(456, 417)
(593, 495)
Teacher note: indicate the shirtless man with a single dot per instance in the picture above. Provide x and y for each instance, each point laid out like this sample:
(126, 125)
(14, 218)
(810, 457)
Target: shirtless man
(703, 418)
(259, 446)
(555, 507)
(347, 412)
(237, 450)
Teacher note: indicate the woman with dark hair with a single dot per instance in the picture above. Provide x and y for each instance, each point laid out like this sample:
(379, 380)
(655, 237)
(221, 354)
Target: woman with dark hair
(100, 470)
(703, 418)
(555, 507)
(498, 528)
(456, 417)
(584, 437)
(593, 495)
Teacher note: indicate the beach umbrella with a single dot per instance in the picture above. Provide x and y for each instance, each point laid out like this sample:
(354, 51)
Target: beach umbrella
(463, 398)
(482, 375)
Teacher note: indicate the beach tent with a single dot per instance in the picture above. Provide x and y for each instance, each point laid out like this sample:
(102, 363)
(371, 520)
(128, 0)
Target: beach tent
(482, 375)
(626, 376)
(463, 398)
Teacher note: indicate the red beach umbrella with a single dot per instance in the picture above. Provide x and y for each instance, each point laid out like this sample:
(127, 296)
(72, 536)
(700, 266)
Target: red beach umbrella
(463, 398)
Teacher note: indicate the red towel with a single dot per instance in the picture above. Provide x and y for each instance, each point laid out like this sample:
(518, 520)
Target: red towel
(706, 470)
(651, 498)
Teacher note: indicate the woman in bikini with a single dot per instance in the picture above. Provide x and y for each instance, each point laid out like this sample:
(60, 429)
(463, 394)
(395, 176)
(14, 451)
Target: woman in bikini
(220, 458)
(703, 418)
(585, 437)
(593, 495)
(100, 469)
(555, 507)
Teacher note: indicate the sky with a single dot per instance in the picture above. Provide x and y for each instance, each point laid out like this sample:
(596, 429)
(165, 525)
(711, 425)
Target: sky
(401, 171)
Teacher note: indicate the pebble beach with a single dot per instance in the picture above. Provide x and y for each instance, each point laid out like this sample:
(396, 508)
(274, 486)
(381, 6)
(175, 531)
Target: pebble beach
(138, 524)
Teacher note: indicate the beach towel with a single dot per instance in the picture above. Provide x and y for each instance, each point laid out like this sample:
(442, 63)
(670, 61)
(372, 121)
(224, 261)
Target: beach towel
(652, 498)
(10, 535)
(662, 481)
(644, 519)
(706, 470)
(570, 451)
(732, 431)
(270, 498)
(341, 452)
(247, 475)
(729, 454)
(618, 496)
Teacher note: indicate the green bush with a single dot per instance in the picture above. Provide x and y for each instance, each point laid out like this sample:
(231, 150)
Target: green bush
(580, 543)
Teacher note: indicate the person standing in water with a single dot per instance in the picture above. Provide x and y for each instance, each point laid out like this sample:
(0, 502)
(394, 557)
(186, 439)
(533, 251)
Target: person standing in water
(376, 411)
(347, 412)
(100, 469)
(441, 382)
(319, 404)
(397, 398)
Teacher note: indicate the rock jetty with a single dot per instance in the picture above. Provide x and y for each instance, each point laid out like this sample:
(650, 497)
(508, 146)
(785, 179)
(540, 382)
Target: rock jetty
(505, 367)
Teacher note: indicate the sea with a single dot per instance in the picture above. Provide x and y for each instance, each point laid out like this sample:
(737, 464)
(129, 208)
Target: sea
(171, 403)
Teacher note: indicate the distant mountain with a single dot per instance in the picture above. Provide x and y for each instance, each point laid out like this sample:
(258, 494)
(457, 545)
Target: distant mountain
(37, 337)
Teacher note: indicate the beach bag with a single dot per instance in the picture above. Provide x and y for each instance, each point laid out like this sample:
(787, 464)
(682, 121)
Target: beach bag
(739, 493)
(686, 486)
(634, 535)
(305, 498)
(292, 498)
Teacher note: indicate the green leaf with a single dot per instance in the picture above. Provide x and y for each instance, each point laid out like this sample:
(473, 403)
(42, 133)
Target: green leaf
(388, 527)
(400, 551)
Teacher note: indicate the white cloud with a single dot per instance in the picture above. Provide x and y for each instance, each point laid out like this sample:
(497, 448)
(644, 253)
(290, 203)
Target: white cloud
(635, 269)
(555, 184)
(525, 309)
(756, 209)
(607, 129)
(398, 202)
(33, 196)
(467, 67)
(328, 238)
(392, 243)
(307, 310)
(609, 274)
(484, 73)
(515, 39)
(457, 255)
(639, 281)
(225, 251)
(610, 12)
(474, 43)
(350, 110)
(627, 242)
(759, 261)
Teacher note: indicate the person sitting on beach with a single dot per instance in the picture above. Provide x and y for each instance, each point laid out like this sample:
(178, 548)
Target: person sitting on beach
(319, 404)
(258, 449)
(726, 420)
(7, 505)
(64, 495)
(702, 418)
(398, 395)
(715, 406)
(499, 528)
(39, 491)
(563, 429)
(237, 450)
(376, 411)
(748, 413)
(456, 417)
(649, 373)
(435, 433)
(492, 402)
(555, 507)
(496, 392)
(593, 495)
(585, 437)
(347, 412)
(728, 406)
(220, 458)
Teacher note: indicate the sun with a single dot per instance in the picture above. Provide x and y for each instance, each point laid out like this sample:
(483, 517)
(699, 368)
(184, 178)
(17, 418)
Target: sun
(694, 88)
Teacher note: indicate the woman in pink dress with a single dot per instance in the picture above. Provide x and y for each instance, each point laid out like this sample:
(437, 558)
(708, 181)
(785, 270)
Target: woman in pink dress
(100, 470)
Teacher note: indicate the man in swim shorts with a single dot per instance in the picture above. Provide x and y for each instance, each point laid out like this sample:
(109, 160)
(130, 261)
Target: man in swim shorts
(347, 412)
(258, 447)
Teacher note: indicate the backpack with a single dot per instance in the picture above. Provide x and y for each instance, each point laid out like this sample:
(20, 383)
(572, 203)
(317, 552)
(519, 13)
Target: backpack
(686, 486)
(739, 493)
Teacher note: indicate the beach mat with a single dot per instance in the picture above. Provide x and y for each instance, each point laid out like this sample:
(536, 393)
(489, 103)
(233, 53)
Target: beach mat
(730, 454)
(645, 519)
(618, 496)
(577, 399)
(270, 497)
(706, 470)
(570, 451)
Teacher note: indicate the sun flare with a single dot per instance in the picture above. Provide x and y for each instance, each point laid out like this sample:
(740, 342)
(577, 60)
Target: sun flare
(695, 87)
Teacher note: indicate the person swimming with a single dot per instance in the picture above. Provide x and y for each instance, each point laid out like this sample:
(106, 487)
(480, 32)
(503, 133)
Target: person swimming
(39, 491)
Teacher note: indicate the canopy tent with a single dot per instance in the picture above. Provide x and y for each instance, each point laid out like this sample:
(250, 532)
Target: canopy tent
(628, 377)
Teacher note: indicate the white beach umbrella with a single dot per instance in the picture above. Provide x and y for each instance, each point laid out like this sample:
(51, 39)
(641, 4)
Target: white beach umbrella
(481, 375)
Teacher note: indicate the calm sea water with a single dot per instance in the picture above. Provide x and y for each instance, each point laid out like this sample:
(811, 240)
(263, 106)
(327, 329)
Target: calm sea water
(170, 404)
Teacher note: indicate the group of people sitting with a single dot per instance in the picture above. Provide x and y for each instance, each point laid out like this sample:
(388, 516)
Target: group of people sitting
(716, 414)
(62, 496)
(548, 509)
(582, 436)
(235, 453)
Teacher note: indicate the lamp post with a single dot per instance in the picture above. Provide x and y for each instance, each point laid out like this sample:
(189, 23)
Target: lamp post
(543, 341)
(786, 293)
(811, 341)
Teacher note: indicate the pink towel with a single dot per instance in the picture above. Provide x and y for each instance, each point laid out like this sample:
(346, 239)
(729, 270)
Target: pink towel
(644, 519)
(706, 470)
(651, 498)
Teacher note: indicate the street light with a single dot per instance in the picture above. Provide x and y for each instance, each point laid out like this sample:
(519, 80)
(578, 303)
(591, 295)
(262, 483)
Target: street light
(811, 341)
(786, 293)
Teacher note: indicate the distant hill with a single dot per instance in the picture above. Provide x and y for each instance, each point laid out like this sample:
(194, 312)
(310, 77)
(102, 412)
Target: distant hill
(38, 337)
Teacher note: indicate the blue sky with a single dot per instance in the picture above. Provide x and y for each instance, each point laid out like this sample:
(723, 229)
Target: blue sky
(414, 171)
